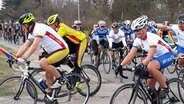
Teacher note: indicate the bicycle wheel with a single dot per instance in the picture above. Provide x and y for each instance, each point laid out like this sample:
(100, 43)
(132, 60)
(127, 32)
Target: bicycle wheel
(176, 92)
(106, 61)
(93, 77)
(181, 89)
(13, 92)
(181, 75)
(37, 73)
(74, 89)
(123, 95)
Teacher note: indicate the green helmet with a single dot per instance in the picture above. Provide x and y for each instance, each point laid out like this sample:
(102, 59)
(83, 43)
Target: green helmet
(26, 18)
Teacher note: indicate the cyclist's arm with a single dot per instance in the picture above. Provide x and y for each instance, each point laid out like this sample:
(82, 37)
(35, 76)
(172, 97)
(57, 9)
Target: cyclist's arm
(160, 26)
(149, 56)
(129, 57)
(23, 48)
(33, 47)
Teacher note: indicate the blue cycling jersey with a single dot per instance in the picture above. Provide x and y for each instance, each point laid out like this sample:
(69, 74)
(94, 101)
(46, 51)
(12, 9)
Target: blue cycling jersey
(152, 29)
(100, 34)
(127, 31)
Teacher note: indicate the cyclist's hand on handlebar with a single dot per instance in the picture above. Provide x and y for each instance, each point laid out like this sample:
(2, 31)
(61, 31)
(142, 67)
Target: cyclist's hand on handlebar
(21, 61)
(120, 72)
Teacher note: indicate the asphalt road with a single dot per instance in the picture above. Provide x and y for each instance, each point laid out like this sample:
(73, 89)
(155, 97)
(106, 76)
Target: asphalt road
(109, 85)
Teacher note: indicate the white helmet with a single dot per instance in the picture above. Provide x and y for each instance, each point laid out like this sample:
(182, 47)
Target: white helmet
(152, 23)
(139, 23)
(101, 23)
(127, 23)
(77, 22)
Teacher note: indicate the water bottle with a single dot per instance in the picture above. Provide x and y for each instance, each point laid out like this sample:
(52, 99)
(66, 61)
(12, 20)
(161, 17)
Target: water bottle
(42, 84)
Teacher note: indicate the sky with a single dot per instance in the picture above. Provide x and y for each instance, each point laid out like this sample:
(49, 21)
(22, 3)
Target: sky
(0, 3)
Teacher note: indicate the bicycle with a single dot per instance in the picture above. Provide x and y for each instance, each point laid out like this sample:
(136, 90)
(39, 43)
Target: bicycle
(138, 93)
(88, 71)
(103, 57)
(22, 87)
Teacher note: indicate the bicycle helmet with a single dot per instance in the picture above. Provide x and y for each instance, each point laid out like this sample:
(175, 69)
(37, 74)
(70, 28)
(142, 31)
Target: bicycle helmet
(166, 23)
(139, 23)
(180, 18)
(101, 23)
(127, 23)
(152, 23)
(53, 19)
(26, 18)
(77, 22)
(115, 25)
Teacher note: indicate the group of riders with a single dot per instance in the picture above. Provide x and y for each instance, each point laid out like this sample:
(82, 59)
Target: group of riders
(57, 40)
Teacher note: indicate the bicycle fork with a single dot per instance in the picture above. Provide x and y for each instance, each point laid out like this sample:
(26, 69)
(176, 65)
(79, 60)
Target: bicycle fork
(20, 90)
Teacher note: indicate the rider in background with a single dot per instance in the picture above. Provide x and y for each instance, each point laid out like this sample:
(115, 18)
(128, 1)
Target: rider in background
(179, 31)
(99, 39)
(159, 54)
(76, 40)
(77, 25)
(116, 40)
(56, 48)
(163, 32)
(128, 31)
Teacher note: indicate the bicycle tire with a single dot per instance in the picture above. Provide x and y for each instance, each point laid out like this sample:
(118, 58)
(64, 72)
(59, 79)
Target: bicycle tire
(171, 70)
(106, 59)
(117, 99)
(174, 95)
(93, 77)
(181, 77)
(70, 94)
(14, 86)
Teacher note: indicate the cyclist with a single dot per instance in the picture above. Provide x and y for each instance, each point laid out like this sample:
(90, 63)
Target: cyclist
(53, 44)
(76, 40)
(159, 54)
(99, 39)
(116, 39)
(163, 32)
(128, 31)
(179, 31)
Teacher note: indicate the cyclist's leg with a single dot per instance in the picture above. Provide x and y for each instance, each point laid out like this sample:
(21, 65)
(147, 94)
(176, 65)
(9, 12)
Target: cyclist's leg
(160, 63)
(47, 63)
(80, 50)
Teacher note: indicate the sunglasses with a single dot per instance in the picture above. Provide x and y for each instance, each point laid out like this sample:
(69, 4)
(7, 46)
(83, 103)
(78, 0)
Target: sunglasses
(137, 30)
(180, 22)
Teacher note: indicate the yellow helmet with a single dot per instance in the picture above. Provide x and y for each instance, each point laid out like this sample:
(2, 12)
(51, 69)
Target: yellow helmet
(26, 18)
(53, 19)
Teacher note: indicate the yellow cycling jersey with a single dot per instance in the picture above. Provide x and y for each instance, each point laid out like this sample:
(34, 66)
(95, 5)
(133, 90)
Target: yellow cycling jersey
(169, 33)
(73, 35)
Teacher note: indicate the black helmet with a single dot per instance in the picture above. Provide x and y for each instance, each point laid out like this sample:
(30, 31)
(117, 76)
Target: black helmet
(166, 23)
(115, 25)
(180, 18)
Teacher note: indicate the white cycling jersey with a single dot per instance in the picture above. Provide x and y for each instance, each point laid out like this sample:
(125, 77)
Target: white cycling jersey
(51, 40)
(116, 38)
(179, 35)
(152, 40)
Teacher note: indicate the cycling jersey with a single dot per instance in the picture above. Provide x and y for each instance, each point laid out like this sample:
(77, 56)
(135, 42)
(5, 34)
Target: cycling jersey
(127, 31)
(152, 40)
(151, 29)
(179, 35)
(51, 41)
(162, 34)
(73, 35)
(116, 38)
(100, 34)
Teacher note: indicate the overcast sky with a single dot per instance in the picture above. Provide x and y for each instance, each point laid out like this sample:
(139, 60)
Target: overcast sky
(0, 3)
